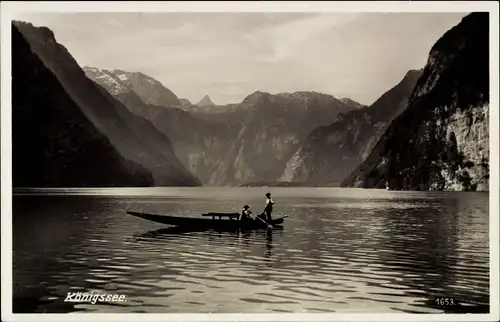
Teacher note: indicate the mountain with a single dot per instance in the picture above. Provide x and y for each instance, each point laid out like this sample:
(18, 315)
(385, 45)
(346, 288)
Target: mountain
(199, 143)
(205, 101)
(440, 142)
(54, 144)
(331, 152)
(150, 90)
(271, 130)
(134, 137)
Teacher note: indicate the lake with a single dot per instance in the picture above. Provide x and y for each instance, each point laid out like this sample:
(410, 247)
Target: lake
(341, 250)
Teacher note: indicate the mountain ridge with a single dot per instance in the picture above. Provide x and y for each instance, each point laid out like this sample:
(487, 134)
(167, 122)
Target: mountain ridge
(211, 141)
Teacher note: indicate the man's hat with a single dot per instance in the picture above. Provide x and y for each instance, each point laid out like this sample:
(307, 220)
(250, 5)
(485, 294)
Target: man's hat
(246, 206)
(268, 194)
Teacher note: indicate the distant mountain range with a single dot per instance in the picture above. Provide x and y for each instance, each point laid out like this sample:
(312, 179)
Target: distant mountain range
(248, 142)
(149, 136)
(198, 142)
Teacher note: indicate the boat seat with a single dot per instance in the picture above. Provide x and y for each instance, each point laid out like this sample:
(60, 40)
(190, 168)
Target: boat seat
(221, 215)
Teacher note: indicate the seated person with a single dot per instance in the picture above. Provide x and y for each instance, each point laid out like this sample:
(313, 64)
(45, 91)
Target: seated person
(246, 214)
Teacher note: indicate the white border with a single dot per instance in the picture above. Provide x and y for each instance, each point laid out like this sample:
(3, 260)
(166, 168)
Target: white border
(9, 8)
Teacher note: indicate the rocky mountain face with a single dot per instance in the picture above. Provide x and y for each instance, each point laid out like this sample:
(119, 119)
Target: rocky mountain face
(441, 140)
(54, 144)
(135, 138)
(271, 130)
(331, 152)
(205, 101)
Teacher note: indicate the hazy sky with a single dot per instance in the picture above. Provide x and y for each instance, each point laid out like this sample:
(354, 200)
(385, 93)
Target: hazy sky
(230, 55)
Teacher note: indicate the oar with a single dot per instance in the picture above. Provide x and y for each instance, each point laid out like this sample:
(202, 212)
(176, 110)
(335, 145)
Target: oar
(268, 225)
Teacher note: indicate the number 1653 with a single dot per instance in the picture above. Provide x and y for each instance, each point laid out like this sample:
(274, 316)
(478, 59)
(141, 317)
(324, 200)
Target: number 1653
(445, 301)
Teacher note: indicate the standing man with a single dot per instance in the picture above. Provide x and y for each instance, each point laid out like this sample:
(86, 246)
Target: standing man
(269, 207)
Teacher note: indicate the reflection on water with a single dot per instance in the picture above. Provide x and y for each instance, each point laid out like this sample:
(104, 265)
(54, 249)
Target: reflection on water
(341, 250)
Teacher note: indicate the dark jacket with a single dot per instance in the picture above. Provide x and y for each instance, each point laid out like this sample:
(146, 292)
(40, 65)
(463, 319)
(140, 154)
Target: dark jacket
(245, 215)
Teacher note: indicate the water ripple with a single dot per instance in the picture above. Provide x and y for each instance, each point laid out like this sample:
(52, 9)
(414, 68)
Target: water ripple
(338, 252)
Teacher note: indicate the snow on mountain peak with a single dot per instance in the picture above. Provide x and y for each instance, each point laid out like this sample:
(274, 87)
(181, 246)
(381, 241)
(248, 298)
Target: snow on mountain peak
(108, 79)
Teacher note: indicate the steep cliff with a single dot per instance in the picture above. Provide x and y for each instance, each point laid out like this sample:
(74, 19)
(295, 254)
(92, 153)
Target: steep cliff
(441, 141)
(53, 143)
(134, 137)
(331, 152)
(272, 129)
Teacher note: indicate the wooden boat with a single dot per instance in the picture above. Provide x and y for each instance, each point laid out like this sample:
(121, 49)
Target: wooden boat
(209, 220)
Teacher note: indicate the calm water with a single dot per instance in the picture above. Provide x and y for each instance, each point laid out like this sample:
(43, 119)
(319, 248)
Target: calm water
(341, 250)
